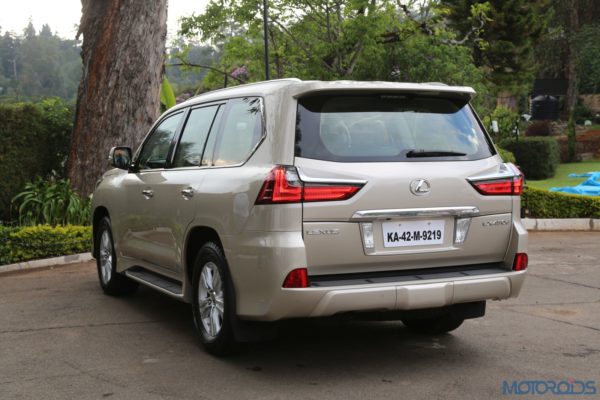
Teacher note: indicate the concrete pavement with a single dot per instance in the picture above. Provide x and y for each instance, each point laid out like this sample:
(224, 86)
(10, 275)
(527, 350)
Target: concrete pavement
(61, 338)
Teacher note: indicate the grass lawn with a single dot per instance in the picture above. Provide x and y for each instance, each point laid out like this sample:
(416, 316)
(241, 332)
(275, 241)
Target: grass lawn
(562, 179)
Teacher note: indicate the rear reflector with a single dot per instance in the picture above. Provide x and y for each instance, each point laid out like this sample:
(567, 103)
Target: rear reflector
(297, 278)
(502, 187)
(284, 186)
(521, 261)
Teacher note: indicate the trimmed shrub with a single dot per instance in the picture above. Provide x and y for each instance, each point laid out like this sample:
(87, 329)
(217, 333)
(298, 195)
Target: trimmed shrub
(34, 140)
(537, 157)
(539, 128)
(43, 241)
(5, 232)
(538, 203)
(506, 155)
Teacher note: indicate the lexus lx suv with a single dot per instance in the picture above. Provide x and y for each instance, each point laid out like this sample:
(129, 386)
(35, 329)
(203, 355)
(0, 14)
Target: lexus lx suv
(292, 199)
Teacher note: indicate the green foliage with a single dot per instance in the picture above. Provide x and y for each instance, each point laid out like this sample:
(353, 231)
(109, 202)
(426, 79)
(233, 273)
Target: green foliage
(581, 113)
(422, 58)
(51, 202)
(588, 61)
(334, 40)
(181, 65)
(506, 123)
(564, 43)
(508, 38)
(33, 66)
(5, 249)
(537, 157)
(506, 155)
(167, 97)
(538, 203)
(42, 241)
(34, 138)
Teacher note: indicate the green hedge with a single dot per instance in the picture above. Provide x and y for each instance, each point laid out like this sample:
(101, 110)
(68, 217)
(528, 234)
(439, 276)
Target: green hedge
(537, 157)
(34, 141)
(506, 155)
(42, 241)
(538, 203)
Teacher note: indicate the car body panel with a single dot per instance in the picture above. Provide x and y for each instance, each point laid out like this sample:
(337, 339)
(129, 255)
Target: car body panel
(263, 243)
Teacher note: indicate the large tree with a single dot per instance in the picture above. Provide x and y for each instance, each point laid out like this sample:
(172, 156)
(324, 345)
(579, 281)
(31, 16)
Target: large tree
(504, 47)
(118, 99)
(571, 50)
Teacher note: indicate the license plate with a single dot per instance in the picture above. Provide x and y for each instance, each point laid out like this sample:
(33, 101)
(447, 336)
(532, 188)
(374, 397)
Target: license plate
(413, 233)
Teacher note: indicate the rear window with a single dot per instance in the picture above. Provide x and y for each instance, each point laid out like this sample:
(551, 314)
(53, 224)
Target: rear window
(388, 127)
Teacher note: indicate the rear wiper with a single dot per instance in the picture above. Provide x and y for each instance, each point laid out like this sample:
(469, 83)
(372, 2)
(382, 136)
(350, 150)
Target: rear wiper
(432, 153)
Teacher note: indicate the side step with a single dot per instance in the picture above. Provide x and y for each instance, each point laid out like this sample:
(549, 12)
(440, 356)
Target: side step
(161, 283)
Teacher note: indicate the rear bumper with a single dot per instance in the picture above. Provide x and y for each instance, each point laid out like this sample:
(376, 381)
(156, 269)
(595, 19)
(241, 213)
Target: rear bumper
(327, 301)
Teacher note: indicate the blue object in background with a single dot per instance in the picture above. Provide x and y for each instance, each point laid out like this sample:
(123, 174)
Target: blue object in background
(589, 187)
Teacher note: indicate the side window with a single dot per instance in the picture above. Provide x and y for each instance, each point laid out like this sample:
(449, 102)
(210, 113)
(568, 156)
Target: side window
(241, 132)
(191, 145)
(156, 148)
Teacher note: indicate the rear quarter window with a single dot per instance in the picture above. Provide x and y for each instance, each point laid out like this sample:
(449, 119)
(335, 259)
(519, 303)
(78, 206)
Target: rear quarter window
(242, 131)
(387, 127)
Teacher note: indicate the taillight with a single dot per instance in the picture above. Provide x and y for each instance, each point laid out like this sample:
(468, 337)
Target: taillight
(281, 186)
(500, 187)
(329, 192)
(297, 278)
(520, 263)
(284, 186)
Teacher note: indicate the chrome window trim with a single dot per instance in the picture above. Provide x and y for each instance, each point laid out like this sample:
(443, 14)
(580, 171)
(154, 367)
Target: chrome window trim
(307, 179)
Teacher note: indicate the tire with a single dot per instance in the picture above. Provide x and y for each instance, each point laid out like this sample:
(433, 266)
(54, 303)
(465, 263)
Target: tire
(213, 301)
(111, 282)
(435, 325)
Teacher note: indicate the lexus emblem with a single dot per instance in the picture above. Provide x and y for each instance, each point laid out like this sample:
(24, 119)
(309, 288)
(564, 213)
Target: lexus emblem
(420, 187)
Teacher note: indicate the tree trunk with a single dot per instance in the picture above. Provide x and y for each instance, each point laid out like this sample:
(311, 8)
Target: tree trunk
(572, 76)
(119, 94)
(508, 100)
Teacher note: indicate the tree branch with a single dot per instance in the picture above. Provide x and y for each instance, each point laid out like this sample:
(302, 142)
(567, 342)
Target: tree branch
(426, 29)
(188, 64)
(357, 52)
(302, 45)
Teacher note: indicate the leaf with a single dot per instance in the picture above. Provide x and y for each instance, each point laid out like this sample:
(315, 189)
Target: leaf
(167, 97)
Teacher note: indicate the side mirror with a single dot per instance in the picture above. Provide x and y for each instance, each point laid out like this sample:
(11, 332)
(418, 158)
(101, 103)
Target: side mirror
(120, 157)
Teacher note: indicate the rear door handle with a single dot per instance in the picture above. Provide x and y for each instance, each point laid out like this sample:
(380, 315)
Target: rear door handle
(187, 193)
(148, 193)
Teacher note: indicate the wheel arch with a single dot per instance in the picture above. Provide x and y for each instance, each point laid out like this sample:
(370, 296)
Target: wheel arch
(196, 238)
(99, 213)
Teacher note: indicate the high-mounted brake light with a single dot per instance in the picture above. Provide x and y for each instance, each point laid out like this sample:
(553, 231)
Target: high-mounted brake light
(284, 186)
(297, 278)
(521, 261)
(501, 187)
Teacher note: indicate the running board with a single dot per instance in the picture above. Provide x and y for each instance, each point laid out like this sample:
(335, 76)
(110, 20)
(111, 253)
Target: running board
(156, 281)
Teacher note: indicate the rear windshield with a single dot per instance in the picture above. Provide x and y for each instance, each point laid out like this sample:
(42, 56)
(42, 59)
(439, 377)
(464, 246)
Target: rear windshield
(386, 127)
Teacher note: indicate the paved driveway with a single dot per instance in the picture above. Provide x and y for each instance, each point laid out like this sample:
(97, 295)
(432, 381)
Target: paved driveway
(61, 338)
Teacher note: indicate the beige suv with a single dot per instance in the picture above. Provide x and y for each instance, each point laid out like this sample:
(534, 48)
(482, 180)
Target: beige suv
(288, 199)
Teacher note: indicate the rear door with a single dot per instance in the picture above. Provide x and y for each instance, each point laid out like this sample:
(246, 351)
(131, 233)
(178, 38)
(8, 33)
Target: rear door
(180, 190)
(414, 154)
